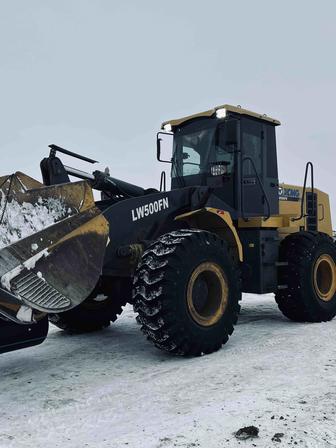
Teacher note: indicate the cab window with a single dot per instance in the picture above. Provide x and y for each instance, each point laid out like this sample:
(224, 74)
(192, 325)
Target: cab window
(222, 154)
(191, 161)
(252, 145)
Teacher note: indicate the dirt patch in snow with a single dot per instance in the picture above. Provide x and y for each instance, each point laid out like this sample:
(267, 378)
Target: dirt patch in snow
(248, 432)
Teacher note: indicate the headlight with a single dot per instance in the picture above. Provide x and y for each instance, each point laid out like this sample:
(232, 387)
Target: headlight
(167, 127)
(219, 169)
(221, 113)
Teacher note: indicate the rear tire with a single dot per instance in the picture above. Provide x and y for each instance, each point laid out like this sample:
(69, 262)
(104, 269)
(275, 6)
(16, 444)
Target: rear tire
(186, 291)
(310, 277)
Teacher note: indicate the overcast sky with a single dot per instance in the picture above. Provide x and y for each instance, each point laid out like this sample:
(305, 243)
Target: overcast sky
(100, 76)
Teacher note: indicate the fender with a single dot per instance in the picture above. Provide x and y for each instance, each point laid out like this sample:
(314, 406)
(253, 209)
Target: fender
(216, 221)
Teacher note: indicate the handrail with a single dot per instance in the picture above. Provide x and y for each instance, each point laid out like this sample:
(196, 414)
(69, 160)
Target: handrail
(260, 185)
(302, 214)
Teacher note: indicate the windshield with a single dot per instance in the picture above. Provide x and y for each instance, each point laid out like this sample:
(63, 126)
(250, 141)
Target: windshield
(200, 146)
(192, 145)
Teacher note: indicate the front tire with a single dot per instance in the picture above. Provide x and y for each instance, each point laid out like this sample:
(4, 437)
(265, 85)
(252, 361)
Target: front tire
(91, 315)
(99, 310)
(310, 277)
(186, 291)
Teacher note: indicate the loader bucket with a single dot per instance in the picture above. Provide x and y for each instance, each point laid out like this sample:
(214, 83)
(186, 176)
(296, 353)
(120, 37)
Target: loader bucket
(52, 245)
(14, 337)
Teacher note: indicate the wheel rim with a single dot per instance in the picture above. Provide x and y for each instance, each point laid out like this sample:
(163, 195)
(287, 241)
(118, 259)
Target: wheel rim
(325, 277)
(96, 303)
(207, 294)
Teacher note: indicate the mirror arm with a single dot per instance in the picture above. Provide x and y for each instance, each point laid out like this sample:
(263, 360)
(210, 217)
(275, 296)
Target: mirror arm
(158, 148)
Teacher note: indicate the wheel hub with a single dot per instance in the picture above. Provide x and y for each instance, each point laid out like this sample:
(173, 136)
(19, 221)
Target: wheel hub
(325, 277)
(207, 294)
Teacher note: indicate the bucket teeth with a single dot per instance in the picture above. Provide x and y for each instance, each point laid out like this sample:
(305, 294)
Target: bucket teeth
(37, 292)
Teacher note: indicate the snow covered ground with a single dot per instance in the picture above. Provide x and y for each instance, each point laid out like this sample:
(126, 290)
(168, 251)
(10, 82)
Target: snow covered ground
(113, 389)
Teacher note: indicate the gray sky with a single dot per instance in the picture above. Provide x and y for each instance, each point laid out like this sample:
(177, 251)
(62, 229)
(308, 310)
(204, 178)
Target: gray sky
(100, 76)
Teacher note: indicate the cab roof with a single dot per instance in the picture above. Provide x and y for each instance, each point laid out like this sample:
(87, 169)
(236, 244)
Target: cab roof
(228, 108)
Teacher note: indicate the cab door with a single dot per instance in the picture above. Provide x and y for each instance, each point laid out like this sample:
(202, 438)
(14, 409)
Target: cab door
(252, 167)
(259, 169)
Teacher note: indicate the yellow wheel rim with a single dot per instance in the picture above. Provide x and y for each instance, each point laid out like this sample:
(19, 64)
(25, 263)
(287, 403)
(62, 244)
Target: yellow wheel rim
(325, 277)
(207, 294)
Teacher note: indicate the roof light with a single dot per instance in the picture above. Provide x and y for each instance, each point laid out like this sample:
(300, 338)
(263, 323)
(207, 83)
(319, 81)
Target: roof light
(221, 113)
(167, 127)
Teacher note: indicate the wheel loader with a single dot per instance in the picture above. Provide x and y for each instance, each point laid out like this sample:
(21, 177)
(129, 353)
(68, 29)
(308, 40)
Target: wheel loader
(182, 257)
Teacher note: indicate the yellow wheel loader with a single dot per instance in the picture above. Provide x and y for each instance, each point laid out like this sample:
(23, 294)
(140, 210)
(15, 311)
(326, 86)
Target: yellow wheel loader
(182, 256)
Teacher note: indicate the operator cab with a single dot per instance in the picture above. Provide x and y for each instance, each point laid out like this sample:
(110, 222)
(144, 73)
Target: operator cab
(229, 149)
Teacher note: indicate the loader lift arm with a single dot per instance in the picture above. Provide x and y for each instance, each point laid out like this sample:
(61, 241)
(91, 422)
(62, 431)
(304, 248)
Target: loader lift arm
(55, 172)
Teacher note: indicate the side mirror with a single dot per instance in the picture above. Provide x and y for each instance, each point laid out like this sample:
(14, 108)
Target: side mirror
(164, 147)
